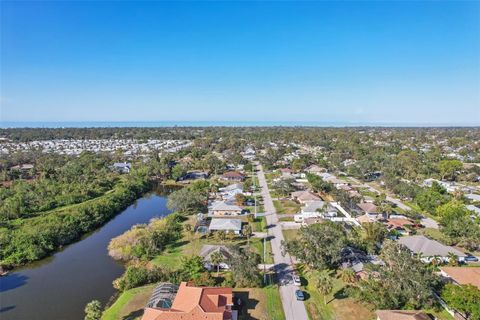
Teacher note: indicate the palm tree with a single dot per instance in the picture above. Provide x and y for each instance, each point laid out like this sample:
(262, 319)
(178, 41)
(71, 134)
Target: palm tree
(324, 283)
(247, 232)
(217, 259)
(221, 235)
(452, 259)
(347, 275)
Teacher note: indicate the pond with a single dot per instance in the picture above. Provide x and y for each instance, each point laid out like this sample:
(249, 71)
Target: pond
(60, 286)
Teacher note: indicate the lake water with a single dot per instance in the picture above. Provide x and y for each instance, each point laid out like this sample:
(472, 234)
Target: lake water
(59, 287)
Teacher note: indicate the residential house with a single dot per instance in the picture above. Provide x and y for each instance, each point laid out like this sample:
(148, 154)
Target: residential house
(304, 197)
(221, 208)
(207, 251)
(402, 315)
(231, 191)
(286, 172)
(122, 167)
(399, 225)
(462, 275)
(227, 225)
(368, 207)
(195, 175)
(430, 249)
(233, 176)
(473, 196)
(190, 303)
(474, 209)
(314, 169)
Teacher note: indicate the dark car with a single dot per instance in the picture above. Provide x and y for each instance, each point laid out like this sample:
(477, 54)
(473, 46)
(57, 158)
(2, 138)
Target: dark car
(299, 295)
(471, 259)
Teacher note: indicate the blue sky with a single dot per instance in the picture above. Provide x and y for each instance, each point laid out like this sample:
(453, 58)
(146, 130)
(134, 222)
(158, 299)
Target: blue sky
(362, 62)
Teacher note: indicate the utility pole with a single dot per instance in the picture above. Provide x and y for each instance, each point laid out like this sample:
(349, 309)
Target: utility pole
(264, 260)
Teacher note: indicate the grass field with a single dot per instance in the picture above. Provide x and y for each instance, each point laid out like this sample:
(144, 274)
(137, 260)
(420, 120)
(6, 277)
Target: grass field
(262, 303)
(286, 206)
(129, 304)
(290, 234)
(337, 306)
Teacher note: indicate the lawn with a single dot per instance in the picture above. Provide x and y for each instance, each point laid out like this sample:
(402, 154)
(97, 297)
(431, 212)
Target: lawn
(286, 206)
(129, 304)
(191, 245)
(338, 306)
(260, 224)
(262, 303)
(290, 234)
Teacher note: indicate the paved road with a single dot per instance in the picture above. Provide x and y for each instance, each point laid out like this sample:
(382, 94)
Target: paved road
(294, 310)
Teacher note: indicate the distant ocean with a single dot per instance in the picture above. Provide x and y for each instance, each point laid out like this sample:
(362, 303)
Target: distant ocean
(151, 124)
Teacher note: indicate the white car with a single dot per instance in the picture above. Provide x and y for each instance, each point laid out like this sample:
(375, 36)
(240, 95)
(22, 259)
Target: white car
(296, 280)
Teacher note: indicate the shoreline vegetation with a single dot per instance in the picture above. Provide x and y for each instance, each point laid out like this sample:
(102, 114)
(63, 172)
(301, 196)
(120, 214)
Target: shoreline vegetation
(28, 240)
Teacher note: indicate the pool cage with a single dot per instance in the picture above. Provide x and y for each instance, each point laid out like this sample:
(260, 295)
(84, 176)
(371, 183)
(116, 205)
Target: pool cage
(163, 296)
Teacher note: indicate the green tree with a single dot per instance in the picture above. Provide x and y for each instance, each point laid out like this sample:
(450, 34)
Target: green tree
(186, 201)
(178, 171)
(247, 232)
(217, 259)
(448, 168)
(324, 283)
(319, 245)
(93, 310)
(192, 267)
(347, 275)
(464, 298)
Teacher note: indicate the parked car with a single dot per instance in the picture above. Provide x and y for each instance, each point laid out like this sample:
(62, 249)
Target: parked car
(299, 295)
(471, 259)
(296, 280)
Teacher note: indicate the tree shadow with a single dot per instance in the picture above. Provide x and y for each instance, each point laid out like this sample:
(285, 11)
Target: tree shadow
(247, 304)
(12, 281)
(341, 294)
(5, 309)
(133, 315)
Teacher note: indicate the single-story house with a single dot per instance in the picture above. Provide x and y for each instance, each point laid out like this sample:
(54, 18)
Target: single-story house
(314, 169)
(188, 302)
(368, 207)
(122, 167)
(207, 251)
(430, 249)
(228, 225)
(221, 208)
(233, 176)
(286, 172)
(305, 196)
(399, 225)
(22, 167)
(231, 190)
(462, 275)
(194, 175)
(474, 209)
(473, 196)
(402, 315)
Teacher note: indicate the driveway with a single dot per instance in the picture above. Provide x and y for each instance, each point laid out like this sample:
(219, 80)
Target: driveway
(294, 310)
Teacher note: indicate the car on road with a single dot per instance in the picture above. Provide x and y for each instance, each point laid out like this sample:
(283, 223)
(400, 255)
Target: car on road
(296, 280)
(299, 295)
(471, 258)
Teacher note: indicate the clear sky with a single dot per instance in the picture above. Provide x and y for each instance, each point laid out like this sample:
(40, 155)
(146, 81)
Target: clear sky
(364, 62)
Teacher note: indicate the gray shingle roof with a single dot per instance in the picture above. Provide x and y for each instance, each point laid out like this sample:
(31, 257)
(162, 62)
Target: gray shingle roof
(226, 224)
(427, 247)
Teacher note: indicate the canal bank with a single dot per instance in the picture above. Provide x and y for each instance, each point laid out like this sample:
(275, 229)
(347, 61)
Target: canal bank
(59, 287)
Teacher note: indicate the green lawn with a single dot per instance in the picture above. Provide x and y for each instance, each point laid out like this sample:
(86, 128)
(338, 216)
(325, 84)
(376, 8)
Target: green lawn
(286, 206)
(129, 304)
(337, 305)
(290, 234)
(260, 224)
(274, 303)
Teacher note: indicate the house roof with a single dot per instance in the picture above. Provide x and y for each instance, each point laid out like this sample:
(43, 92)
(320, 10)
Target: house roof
(233, 174)
(192, 303)
(232, 187)
(463, 275)
(397, 222)
(473, 196)
(222, 206)
(313, 206)
(207, 250)
(368, 207)
(305, 196)
(314, 168)
(402, 315)
(226, 224)
(427, 247)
